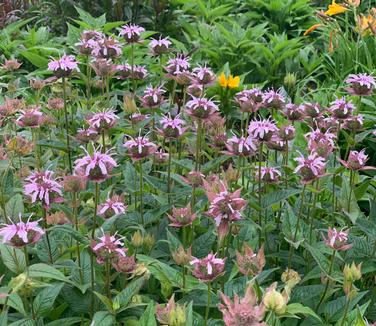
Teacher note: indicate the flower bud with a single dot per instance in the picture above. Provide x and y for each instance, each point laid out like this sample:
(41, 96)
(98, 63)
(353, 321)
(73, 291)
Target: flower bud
(149, 242)
(290, 278)
(274, 300)
(182, 257)
(290, 80)
(137, 239)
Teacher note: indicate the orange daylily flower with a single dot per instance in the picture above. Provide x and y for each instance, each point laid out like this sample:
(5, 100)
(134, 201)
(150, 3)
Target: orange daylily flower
(311, 29)
(230, 82)
(335, 9)
(366, 24)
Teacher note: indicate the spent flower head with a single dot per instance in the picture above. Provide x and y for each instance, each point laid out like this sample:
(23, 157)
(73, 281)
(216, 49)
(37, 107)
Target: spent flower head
(360, 84)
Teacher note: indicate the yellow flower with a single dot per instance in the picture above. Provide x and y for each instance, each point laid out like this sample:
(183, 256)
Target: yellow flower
(222, 80)
(311, 29)
(335, 9)
(233, 82)
(230, 82)
(366, 24)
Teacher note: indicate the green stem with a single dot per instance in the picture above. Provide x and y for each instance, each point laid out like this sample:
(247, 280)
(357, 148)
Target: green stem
(108, 282)
(297, 226)
(75, 220)
(67, 127)
(169, 172)
(47, 235)
(259, 195)
(208, 305)
(141, 192)
(327, 281)
(345, 313)
(350, 190)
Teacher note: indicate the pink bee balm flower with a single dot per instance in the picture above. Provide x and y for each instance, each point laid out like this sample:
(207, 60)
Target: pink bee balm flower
(172, 127)
(87, 135)
(337, 240)
(360, 84)
(224, 206)
(131, 32)
(181, 217)
(159, 46)
(21, 233)
(41, 186)
(177, 65)
(322, 143)
(103, 120)
(312, 110)
(153, 97)
(195, 89)
(88, 41)
(112, 206)
(208, 268)
(250, 263)
(123, 71)
(249, 100)
(95, 167)
(108, 248)
(354, 123)
(31, 118)
(241, 146)
(262, 129)
(106, 48)
(139, 72)
(242, 311)
(161, 157)
(272, 99)
(103, 67)
(277, 143)
(140, 147)
(64, 66)
(293, 112)
(126, 265)
(286, 133)
(268, 174)
(201, 108)
(357, 161)
(341, 109)
(310, 168)
(203, 75)
(11, 65)
(194, 178)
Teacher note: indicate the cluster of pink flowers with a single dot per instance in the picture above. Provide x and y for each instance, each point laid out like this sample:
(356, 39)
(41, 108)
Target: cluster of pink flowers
(172, 127)
(63, 66)
(109, 247)
(208, 268)
(310, 168)
(112, 206)
(95, 167)
(102, 120)
(41, 186)
(337, 240)
(21, 233)
(140, 147)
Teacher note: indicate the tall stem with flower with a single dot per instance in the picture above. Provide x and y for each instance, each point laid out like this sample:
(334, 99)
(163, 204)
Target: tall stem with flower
(67, 125)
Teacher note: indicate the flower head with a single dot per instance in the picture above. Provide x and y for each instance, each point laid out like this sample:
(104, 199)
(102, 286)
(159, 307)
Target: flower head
(140, 147)
(87, 135)
(32, 118)
(64, 66)
(341, 109)
(21, 233)
(159, 46)
(41, 186)
(286, 133)
(177, 65)
(55, 103)
(102, 120)
(228, 82)
(323, 143)
(268, 174)
(361, 84)
(95, 167)
(11, 65)
(181, 217)
(131, 32)
(249, 100)
(357, 161)
(109, 247)
(310, 168)
(201, 108)
(208, 268)
(337, 240)
(241, 146)
(106, 48)
(103, 67)
(250, 263)
(312, 110)
(335, 9)
(124, 264)
(112, 206)
(275, 301)
(225, 206)
(242, 311)
(74, 183)
(171, 314)
(272, 99)
(293, 112)
(263, 130)
(153, 97)
(354, 123)
(203, 75)
(172, 127)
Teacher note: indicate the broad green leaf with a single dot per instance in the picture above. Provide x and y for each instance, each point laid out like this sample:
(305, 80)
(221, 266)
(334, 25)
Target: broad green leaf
(14, 207)
(124, 297)
(65, 321)
(47, 271)
(44, 301)
(148, 317)
(103, 318)
(36, 59)
(298, 308)
(14, 301)
(13, 258)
